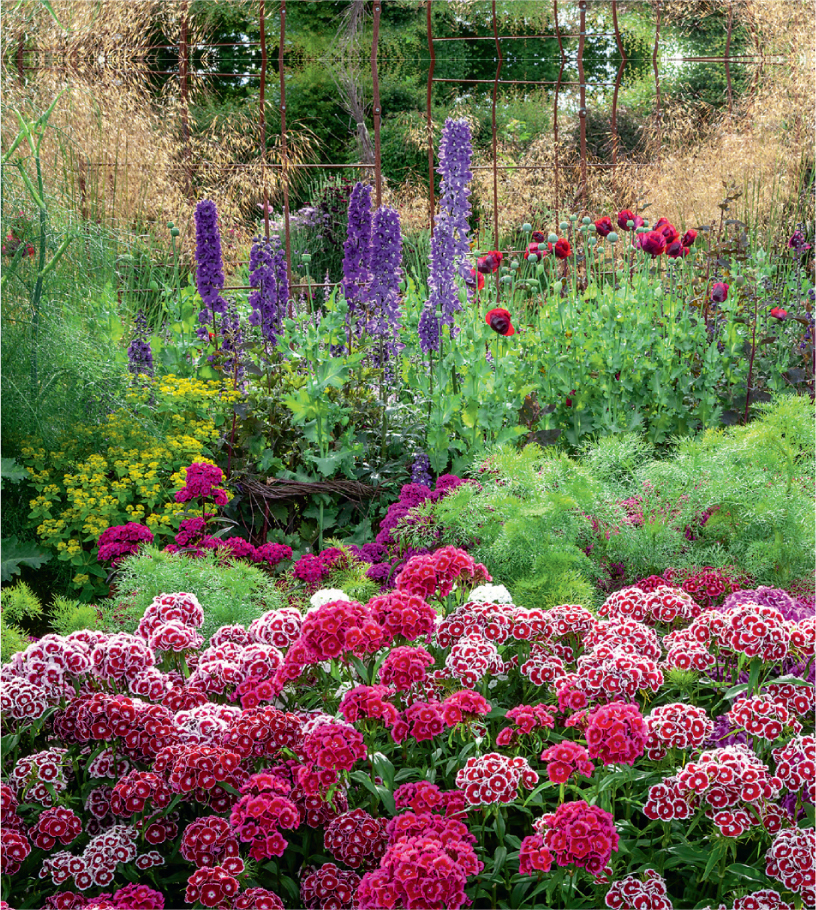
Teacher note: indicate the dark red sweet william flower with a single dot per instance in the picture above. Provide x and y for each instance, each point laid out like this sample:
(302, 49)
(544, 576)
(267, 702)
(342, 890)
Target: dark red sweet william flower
(499, 320)
(627, 215)
(719, 293)
(652, 242)
(604, 226)
(689, 237)
(778, 313)
(489, 263)
(562, 250)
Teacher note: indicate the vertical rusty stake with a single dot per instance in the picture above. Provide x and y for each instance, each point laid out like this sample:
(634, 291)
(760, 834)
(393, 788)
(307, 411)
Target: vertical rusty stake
(493, 124)
(432, 64)
(727, 57)
(582, 112)
(262, 117)
(658, 111)
(374, 75)
(284, 154)
(555, 110)
(184, 65)
(618, 79)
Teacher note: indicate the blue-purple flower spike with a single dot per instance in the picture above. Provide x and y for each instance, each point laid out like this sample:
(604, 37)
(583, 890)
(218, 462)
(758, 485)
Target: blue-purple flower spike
(443, 301)
(386, 271)
(140, 357)
(455, 153)
(267, 273)
(357, 248)
(209, 267)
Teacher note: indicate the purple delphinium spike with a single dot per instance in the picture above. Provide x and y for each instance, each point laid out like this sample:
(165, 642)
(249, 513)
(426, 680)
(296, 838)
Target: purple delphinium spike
(357, 249)
(267, 273)
(386, 271)
(232, 343)
(443, 301)
(140, 357)
(455, 153)
(209, 267)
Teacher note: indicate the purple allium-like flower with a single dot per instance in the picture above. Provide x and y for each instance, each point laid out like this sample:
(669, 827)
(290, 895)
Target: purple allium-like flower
(209, 267)
(767, 597)
(421, 470)
(140, 357)
(357, 248)
(455, 152)
(386, 271)
(724, 734)
(443, 301)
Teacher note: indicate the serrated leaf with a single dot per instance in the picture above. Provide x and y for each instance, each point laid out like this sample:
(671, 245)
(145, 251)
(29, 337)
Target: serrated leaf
(16, 554)
(10, 470)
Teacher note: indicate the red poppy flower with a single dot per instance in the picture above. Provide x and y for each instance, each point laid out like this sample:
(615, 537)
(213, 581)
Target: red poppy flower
(30, 250)
(499, 320)
(676, 250)
(537, 249)
(778, 313)
(489, 263)
(627, 215)
(667, 229)
(652, 242)
(719, 292)
(472, 281)
(568, 400)
(604, 226)
(689, 237)
(538, 237)
(562, 248)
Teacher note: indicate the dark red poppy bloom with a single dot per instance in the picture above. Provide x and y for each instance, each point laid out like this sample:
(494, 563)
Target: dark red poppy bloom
(627, 215)
(30, 250)
(568, 400)
(499, 320)
(489, 263)
(778, 313)
(652, 242)
(472, 281)
(604, 226)
(667, 229)
(538, 237)
(562, 250)
(676, 250)
(719, 292)
(537, 249)
(689, 237)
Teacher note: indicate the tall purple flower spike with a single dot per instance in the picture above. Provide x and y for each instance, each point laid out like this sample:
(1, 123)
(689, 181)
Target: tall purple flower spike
(386, 271)
(209, 266)
(357, 249)
(455, 153)
(267, 273)
(443, 301)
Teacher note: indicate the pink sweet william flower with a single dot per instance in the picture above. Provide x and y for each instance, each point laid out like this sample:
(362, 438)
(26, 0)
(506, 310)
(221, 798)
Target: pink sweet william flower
(565, 759)
(616, 733)
(257, 899)
(202, 482)
(356, 838)
(676, 726)
(134, 896)
(339, 627)
(403, 615)
(329, 887)
(579, 834)
(426, 798)
(494, 778)
(463, 707)
(636, 892)
(334, 746)
(790, 860)
(534, 856)
(434, 574)
(211, 887)
(117, 542)
(405, 666)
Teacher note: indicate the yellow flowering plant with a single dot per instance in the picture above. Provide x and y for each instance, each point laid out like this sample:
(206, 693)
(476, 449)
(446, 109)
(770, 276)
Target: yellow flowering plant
(124, 469)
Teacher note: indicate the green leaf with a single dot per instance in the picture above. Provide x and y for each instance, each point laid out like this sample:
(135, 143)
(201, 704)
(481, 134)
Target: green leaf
(749, 872)
(16, 554)
(10, 470)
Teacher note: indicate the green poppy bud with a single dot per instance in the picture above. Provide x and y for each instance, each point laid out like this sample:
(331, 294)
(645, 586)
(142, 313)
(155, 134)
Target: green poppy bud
(630, 224)
(739, 281)
(533, 257)
(573, 217)
(564, 226)
(604, 311)
(526, 227)
(506, 279)
(612, 237)
(557, 287)
(514, 264)
(175, 232)
(540, 268)
(592, 229)
(586, 219)
(306, 258)
(170, 225)
(591, 241)
(153, 285)
(552, 238)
